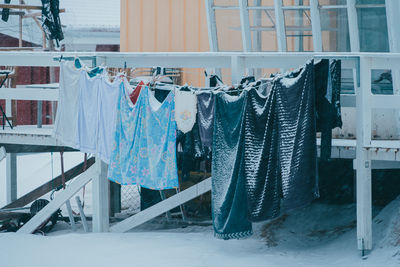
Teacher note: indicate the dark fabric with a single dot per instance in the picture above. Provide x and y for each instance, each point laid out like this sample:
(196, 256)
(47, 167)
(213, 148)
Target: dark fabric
(205, 118)
(214, 80)
(148, 198)
(280, 145)
(191, 151)
(51, 20)
(336, 78)
(229, 204)
(161, 94)
(297, 143)
(261, 156)
(247, 80)
(5, 12)
(328, 114)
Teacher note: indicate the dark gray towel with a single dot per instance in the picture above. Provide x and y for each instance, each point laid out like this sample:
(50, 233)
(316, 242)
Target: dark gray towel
(297, 137)
(280, 145)
(261, 156)
(229, 204)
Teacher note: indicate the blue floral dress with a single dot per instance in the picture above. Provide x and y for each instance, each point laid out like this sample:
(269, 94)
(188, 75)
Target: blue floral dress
(144, 151)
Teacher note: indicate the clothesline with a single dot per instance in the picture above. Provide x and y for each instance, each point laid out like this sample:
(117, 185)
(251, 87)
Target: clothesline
(261, 135)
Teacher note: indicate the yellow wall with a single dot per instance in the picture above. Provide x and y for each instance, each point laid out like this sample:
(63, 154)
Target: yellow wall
(181, 26)
(165, 26)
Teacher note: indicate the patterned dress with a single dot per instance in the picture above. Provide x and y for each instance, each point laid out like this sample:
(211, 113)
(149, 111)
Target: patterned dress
(144, 150)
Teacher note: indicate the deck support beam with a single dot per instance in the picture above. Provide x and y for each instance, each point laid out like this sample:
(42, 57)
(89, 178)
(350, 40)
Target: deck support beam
(363, 158)
(100, 198)
(11, 177)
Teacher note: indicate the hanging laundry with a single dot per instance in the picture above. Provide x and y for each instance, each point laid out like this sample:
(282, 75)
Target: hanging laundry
(261, 156)
(327, 86)
(67, 107)
(191, 151)
(229, 203)
(264, 86)
(107, 113)
(205, 117)
(5, 11)
(279, 146)
(88, 113)
(135, 93)
(51, 20)
(185, 110)
(295, 108)
(144, 151)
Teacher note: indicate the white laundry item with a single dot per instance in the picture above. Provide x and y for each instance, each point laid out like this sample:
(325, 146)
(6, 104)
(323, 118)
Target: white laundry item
(107, 110)
(185, 110)
(88, 113)
(67, 107)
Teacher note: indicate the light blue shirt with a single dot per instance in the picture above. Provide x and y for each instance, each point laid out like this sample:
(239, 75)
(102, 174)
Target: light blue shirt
(144, 150)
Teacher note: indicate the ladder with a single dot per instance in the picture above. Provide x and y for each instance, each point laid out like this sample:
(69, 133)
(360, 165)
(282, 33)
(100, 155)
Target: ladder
(309, 12)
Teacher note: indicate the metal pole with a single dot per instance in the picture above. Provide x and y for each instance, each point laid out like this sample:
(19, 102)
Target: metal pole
(280, 26)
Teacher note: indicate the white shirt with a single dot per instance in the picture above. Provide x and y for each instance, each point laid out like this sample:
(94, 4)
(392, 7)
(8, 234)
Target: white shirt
(67, 108)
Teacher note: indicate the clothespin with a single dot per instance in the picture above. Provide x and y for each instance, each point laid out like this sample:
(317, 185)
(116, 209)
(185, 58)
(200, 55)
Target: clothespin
(61, 57)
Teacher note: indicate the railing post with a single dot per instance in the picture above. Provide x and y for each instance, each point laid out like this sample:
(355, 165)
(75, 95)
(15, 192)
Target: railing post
(11, 177)
(363, 161)
(100, 198)
(238, 68)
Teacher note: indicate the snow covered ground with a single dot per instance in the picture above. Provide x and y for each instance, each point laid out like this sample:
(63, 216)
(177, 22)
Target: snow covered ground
(317, 235)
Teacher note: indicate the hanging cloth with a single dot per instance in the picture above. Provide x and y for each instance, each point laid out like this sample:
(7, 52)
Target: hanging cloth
(261, 156)
(88, 113)
(229, 203)
(5, 12)
(135, 93)
(51, 20)
(280, 146)
(107, 113)
(144, 151)
(328, 110)
(67, 107)
(205, 117)
(185, 110)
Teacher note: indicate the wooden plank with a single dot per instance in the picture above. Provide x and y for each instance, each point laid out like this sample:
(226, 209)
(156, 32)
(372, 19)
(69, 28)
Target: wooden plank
(57, 202)
(363, 158)
(8, 215)
(82, 214)
(70, 215)
(17, 148)
(47, 187)
(29, 94)
(163, 206)
(13, 6)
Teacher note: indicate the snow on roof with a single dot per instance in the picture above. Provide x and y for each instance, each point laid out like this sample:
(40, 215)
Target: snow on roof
(88, 13)
(84, 20)
(91, 13)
